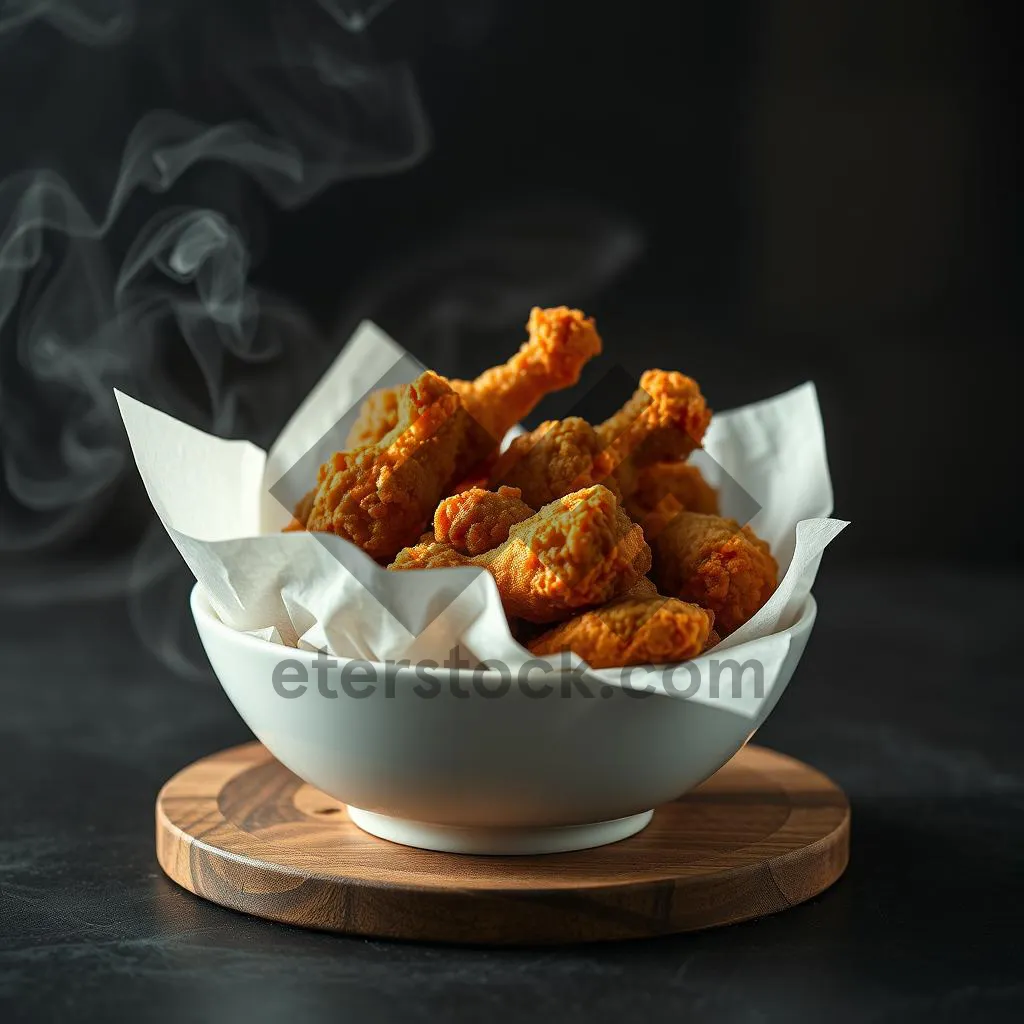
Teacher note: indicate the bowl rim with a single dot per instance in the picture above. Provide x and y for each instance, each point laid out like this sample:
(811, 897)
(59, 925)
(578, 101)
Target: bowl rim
(202, 609)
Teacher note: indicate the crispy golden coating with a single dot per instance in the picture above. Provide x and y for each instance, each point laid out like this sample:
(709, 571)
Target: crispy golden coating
(667, 412)
(631, 631)
(377, 418)
(382, 496)
(301, 512)
(671, 487)
(643, 588)
(712, 562)
(560, 342)
(556, 458)
(579, 551)
(476, 520)
(665, 418)
(425, 455)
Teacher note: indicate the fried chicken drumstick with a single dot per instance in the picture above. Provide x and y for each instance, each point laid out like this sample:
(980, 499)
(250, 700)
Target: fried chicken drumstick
(412, 443)
(381, 496)
(560, 342)
(631, 631)
(579, 551)
(712, 562)
(665, 418)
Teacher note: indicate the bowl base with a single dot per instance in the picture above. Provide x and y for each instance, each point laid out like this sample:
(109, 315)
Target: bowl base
(498, 841)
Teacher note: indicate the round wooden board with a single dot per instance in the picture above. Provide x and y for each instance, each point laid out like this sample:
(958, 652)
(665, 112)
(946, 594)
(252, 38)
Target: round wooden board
(764, 833)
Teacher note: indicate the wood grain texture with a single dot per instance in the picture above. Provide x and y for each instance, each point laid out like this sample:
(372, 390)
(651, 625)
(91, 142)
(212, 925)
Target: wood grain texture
(764, 833)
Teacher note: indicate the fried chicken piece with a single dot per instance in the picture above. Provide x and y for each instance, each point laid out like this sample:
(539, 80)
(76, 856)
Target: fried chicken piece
(667, 411)
(556, 458)
(713, 638)
(301, 513)
(377, 418)
(643, 588)
(712, 562)
(665, 417)
(579, 551)
(560, 342)
(476, 520)
(631, 631)
(671, 487)
(382, 496)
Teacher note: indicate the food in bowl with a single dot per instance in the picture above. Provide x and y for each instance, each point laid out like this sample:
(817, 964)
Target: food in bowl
(604, 534)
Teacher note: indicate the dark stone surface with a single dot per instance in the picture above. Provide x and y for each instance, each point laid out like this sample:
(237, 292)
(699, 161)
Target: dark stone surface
(907, 696)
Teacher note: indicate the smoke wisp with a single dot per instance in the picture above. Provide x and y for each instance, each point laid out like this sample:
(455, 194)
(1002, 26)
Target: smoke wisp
(96, 22)
(157, 142)
(135, 271)
(77, 317)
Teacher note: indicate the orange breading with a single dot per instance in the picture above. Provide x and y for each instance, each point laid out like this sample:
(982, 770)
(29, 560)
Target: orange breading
(560, 342)
(631, 631)
(643, 588)
(712, 562)
(556, 458)
(382, 496)
(476, 520)
(579, 551)
(671, 487)
(377, 418)
(665, 418)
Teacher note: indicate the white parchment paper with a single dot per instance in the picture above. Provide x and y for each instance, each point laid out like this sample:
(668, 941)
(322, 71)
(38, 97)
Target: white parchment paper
(215, 498)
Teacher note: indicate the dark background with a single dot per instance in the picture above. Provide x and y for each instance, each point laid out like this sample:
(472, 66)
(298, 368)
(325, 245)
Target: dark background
(755, 193)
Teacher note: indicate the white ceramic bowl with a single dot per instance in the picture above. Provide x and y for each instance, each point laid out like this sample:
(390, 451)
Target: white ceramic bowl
(474, 773)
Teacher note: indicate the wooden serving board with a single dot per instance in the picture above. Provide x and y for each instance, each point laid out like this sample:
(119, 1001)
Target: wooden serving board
(764, 833)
